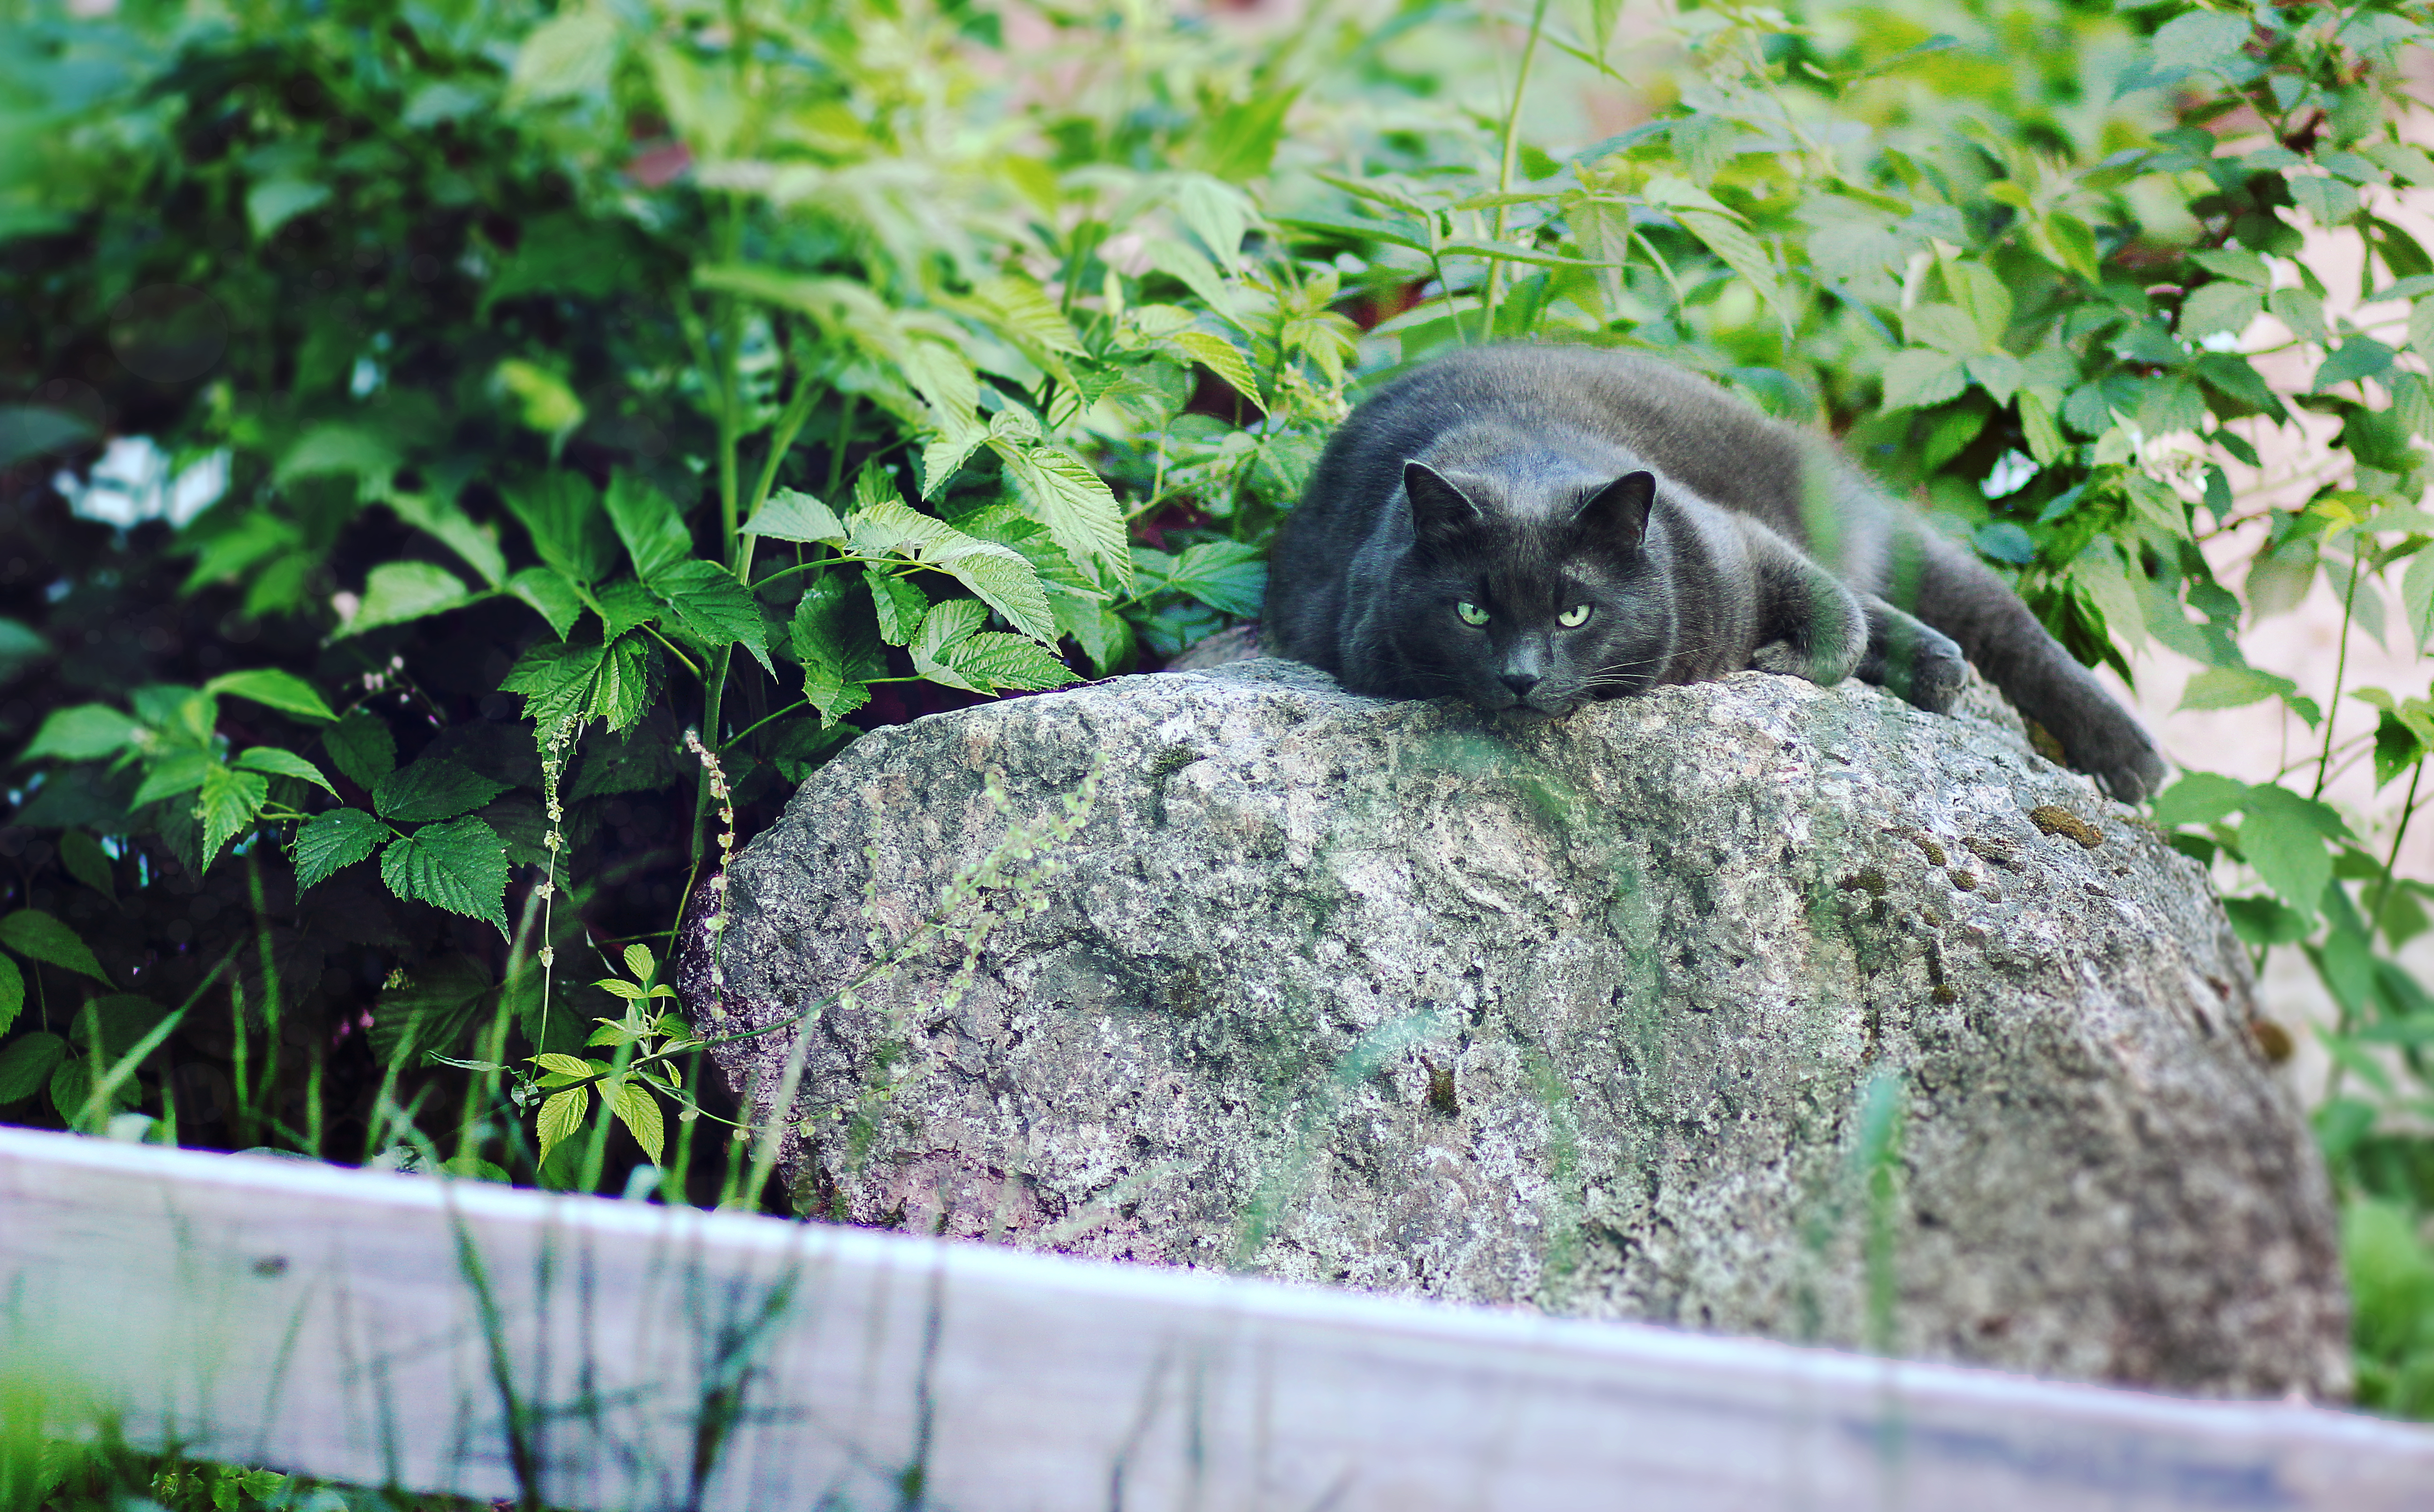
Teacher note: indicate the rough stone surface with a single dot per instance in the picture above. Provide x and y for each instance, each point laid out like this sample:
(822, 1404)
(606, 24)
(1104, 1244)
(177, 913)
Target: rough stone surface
(1752, 1006)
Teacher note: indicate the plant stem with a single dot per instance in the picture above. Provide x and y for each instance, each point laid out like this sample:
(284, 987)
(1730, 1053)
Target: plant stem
(2341, 671)
(1505, 165)
(2391, 857)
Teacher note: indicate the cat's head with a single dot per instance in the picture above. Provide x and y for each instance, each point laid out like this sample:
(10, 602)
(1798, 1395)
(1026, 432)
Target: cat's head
(1533, 590)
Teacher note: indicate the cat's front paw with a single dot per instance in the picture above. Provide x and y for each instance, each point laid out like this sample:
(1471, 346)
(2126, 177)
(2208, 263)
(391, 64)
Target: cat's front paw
(2123, 762)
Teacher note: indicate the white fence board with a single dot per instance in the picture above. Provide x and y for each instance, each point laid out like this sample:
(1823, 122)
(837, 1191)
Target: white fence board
(332, 1322)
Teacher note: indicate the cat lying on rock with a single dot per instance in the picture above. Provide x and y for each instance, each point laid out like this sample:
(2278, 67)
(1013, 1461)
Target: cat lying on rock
(1531, 527)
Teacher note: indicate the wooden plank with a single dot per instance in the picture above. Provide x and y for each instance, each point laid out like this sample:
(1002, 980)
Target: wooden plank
(376, 1328)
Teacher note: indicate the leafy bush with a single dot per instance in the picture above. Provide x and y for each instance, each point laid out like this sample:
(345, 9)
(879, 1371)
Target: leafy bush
(588, 379)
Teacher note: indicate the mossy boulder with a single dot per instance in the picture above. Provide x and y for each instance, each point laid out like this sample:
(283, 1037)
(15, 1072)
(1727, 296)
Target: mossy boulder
(1752, 1006)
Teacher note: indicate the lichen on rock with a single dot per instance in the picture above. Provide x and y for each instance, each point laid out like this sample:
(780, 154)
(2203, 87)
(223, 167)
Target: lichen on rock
(1750, 1006)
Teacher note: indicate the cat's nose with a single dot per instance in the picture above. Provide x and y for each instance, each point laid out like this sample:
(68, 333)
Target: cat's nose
(1519, 682)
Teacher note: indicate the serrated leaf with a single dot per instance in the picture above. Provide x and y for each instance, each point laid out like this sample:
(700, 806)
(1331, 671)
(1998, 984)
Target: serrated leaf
(621, 690)
(945, 625)
(12, 996)
(899, 604)
(566, 1065)
(340, 838)
(2219, 309)
(2283, 838)
(2073, 245)
(549, 594)
(1921, 379)
(2303, 313)
(36, 936)
(430, 1008)
(398, 592)
(990, 660)
(640, 1112)
(1944, 326)
(336, 447)
(2417, 597)
(639, 962)
(1060, 491)
(618, 987)
(2232, 687)
(87, 732)
(1227, 576)
(456, 530)
(432, 788)
(561, 1118)
(1022, 313)
(273, 688)
(362, 748)
(832, 639)
(2328, 202)
(165, 776)
(944, 379)
(2199, 798)
(460, 866)
(27, 1063)
(1740, 250)
(2359, 357)
(284, 763)
(556, 681)
(1003, 577)
(647, 522)
(227, 804)
(562, 512)
(88, 864)
(706, 602)
(790, 515)
(1221, 357)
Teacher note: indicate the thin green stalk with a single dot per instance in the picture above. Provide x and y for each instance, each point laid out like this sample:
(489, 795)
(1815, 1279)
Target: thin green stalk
(2340, 670)
(1505, 165)
(2391, 857)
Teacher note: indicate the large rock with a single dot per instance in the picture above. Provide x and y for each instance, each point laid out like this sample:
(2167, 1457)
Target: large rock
(1752, 1006)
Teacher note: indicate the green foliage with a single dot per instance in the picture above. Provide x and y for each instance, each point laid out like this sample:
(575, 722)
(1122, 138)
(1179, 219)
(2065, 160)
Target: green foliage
(622, 408)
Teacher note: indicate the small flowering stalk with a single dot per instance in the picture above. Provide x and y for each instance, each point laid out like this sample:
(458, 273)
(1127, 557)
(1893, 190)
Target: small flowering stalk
(717, 884)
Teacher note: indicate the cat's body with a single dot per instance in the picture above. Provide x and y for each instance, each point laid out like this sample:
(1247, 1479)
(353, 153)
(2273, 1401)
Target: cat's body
(1537, 526)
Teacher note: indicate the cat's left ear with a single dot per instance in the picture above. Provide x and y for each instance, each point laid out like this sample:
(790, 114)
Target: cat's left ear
(1617, 515)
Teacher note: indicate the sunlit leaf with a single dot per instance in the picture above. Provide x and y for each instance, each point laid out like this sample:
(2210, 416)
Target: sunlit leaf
(460, 866)
(228, 803)
(273, 688)
(279, 762)
(38, 936)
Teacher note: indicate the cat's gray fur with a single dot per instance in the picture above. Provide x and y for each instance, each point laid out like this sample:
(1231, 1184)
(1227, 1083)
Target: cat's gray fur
(1704, 536)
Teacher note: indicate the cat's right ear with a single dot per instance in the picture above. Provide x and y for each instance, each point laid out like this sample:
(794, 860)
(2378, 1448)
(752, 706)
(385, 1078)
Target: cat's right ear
(1441, 513)
(1617, 515)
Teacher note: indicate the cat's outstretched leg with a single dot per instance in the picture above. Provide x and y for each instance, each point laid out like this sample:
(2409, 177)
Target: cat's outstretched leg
(1911, 658)
(1810, 624)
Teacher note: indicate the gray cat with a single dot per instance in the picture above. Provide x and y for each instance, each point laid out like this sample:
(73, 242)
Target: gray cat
(1536, 526)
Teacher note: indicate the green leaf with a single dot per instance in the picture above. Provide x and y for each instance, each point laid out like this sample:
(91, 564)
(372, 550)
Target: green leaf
(2234, 688)
(87, 732)
(2302, 312)
(36, 936)
(706, 602)
(640, 1112)
(1003, 577)
(284, 763)
(460, 866)
(548, 593)
(362, 748)
(2283, 838)
(833, 638)
(2359, 357)
(88, 864)
(12, 996)
(336, 447)
(274, 202)
(27, 1064)
(623, 604)
(1227, 576)
(621, 690)
(555, 681)
(562, 512)
(989, 661)
(1082, 515)
(397, 592)
(561, 1118)
(452, 525)
(1221, 357)
(230, 801)
(2328, 202)
(2073, 245)
(165, 776)
(432, 788)
(1921, 379)
(2200, 40)
(790, 515)
(899, 604)
(572, 53)
(647, 522)
(272, 688)
(2218, 308)
(339, 839)
(2199, 798)
(2232, 263)
(30, 430)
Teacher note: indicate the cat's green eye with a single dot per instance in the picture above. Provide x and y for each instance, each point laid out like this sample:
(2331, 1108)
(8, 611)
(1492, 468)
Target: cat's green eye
(1471, 614)
(1573, 618)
